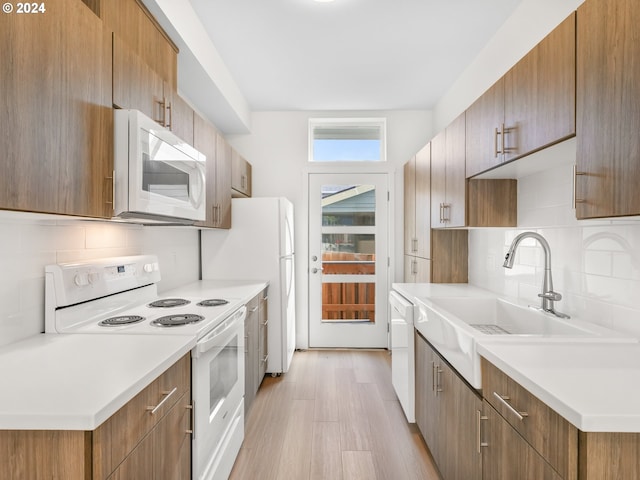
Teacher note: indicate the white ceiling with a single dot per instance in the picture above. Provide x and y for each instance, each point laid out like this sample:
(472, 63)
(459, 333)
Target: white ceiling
(348, 54)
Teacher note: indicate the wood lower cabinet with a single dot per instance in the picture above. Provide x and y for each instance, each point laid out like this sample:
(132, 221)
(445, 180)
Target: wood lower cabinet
(448, 415)
(506, 455)
(255, 353)
(608, 109)
(133, 443)
(208, 141)
(240, 175)
(56, 123)
(547, 433)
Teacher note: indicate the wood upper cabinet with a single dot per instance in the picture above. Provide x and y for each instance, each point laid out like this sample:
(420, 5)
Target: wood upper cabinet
(135, 84)
(208, 141)
(179, 117)
(448, 179)
(531, 107)
(240, 175)
(417, 269)
(417, 202)
(56, 122)
(484, 120)
(608, 109)
(135, 26)
(448, 413)
(540, 94)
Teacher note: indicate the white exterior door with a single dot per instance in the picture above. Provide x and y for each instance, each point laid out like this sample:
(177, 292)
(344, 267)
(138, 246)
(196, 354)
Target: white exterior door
(348, 260)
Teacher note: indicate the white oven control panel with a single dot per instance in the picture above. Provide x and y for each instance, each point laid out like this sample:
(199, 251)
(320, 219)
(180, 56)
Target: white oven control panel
(71, 283)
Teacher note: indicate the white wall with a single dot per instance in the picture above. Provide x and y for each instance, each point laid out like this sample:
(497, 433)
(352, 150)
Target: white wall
(278, 149)
(29, 242)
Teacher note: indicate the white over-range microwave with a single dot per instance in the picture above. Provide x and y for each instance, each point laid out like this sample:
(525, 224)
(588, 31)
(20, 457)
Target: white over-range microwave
(158, 176)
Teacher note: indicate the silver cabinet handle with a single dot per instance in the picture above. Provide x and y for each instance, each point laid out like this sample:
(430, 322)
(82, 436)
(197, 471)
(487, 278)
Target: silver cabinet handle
(316, 270)
(480, 443)
(503, 399)
(253, 309)
(264, 360)
(168, 394)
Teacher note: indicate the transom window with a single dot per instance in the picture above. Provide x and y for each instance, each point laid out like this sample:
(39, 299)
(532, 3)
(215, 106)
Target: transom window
(347, 140)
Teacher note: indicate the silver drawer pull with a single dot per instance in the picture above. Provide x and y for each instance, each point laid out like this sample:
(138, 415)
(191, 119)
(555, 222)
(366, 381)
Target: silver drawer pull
(253, 309)
(264, 360)
(265, 323)
(168, 394)
(503, 399)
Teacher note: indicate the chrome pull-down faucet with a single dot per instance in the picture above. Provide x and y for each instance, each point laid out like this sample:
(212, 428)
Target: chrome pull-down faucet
(548, 296)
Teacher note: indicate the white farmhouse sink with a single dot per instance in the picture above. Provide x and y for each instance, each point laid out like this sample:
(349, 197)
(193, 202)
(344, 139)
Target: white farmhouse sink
(454, 325)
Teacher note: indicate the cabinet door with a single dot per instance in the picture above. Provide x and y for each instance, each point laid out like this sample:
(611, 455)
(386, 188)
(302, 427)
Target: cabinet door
(263, 336)
(204, 140)
(165, 453)
(427, 404)
(455, 173)
(56, 118)
(459, 428)
(135, 84)
(608, 109)
(438, 179)
(484, 131)
(507, 455)
(410, 240)
(540, 94)
(240, 174)
(423, 202)
(179, 117)
(223, 182)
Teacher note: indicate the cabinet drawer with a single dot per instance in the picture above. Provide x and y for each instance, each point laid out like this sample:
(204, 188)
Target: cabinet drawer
(119, 435)
(546, 431)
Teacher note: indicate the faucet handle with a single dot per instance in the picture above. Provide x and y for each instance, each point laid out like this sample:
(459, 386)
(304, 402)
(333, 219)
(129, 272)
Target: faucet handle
(555, 296)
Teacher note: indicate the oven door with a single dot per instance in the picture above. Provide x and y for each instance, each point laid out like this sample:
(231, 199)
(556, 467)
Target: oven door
(218, 390)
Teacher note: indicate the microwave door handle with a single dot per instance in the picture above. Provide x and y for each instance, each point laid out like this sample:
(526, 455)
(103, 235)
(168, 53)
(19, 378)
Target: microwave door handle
(203, 182)
(210, 341)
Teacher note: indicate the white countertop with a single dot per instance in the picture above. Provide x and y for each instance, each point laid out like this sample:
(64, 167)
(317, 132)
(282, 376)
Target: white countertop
(76, 381)
(244, 290)
(594, 386)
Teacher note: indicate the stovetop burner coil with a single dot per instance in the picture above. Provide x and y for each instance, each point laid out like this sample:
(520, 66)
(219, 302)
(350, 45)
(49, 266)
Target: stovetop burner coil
(169, 302)
(212, 302)
(121, 320)
(177, 320)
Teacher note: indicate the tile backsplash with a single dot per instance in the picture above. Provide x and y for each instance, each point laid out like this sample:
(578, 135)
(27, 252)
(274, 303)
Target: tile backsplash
(29, 242)
(595, 263)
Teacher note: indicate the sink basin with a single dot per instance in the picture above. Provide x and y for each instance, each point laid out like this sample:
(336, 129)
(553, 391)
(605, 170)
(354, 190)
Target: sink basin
(454, 326)
(495, 316)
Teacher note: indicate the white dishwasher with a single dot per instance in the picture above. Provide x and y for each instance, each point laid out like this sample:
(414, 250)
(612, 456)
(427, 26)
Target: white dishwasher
(403, 353)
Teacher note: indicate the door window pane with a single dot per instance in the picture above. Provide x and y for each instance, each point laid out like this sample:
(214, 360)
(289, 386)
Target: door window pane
(348, 205)
(348, 302)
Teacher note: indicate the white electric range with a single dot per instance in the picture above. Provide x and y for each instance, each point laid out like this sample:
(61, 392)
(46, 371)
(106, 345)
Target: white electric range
(119, 296)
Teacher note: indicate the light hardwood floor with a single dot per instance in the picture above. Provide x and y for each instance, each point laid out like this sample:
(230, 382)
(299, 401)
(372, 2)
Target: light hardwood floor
(333, 416)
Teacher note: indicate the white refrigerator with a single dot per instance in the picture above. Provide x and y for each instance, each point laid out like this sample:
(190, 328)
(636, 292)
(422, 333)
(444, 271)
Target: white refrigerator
(259, 246)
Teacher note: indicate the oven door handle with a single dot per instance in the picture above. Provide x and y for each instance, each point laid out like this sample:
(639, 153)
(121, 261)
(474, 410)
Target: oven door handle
(211, 340)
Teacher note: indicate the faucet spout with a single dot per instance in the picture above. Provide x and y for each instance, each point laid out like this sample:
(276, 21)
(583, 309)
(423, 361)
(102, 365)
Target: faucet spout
(548, 296)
